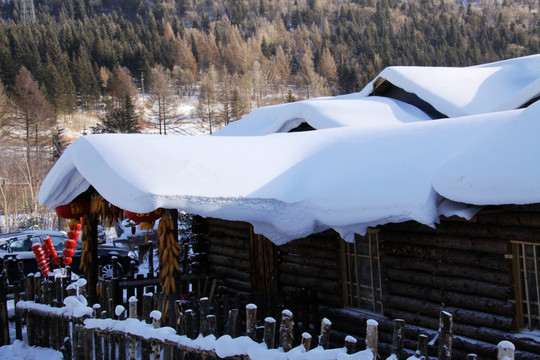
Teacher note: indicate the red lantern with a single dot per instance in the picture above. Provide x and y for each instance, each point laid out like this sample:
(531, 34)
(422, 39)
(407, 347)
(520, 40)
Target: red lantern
(69, 250)
(49, 250)
(43, 264)
(146, 220)
(75, 209)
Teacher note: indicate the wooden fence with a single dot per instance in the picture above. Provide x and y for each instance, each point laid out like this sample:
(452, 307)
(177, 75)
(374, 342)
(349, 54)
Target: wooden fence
(56, 315)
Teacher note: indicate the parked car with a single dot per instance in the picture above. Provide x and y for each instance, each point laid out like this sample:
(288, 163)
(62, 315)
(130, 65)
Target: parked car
(114, 261)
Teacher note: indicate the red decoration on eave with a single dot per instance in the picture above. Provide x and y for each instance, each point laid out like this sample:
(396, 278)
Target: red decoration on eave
(146, 220)
(75, 209)
(144, 217)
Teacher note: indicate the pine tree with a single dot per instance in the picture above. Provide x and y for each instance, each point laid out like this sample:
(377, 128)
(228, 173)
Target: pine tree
(120, 120)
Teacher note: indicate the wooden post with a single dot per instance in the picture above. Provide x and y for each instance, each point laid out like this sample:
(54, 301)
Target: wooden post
(398, 337)
(350, 344)
(30, 287)
(18, 322)
(324, 338)
(156, 322)
(92, 269)
(505, 350)
(4, 324)
(251, 321)
(121, 314)
(106, 341)
(422, 346)
(285, 330)
(306, 341)
(372, 336)
(37, 287)
(445, 336)
(269, 332)
(132, 353)
(204, 309)
(231, 322)
(180, 330)
(98, 351)
(212, 324)
(148, 304)
(472, 357)
(189, 318)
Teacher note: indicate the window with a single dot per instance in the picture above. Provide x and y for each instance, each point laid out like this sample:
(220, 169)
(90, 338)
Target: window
(526, 264)
(362, 278)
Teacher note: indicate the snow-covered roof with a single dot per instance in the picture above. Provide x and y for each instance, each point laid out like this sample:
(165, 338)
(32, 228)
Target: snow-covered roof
(372, 161)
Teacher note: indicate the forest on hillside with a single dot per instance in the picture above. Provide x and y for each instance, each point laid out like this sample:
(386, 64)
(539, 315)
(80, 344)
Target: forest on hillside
(58, 57)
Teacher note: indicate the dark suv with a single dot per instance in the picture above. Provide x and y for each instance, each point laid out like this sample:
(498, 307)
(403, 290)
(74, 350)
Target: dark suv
(114, 261)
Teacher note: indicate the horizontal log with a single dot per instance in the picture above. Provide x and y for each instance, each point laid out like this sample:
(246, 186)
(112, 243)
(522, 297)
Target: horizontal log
(328, 286)
(228, 251)
(324, 298)
(524, 219)
(228, 224)
(232, 273)
(235, 263)
(451, 298)
(447, 241)
(439, 268)
(464, 316)
(327, 240)
(328, 254)
(533, 208)
(462, 285)
(229, 232)
(308, 261)
(481, 260)
(234, 284)
(321, 271)
(240, 244)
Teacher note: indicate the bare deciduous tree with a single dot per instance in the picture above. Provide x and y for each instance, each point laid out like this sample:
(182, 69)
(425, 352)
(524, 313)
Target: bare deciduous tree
(162, 96)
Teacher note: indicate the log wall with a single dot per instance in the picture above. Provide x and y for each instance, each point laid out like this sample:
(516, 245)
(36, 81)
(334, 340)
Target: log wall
(463, 267)
(228, 253)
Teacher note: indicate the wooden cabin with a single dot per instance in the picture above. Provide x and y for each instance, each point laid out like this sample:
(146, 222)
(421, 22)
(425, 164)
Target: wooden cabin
(484, 271)
(415, 144)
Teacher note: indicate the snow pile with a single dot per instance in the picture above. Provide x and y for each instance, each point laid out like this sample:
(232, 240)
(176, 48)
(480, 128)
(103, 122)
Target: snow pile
(497, 86)
(371, 161)
(20, 350)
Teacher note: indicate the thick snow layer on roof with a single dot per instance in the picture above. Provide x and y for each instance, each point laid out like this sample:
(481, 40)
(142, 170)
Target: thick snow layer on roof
(291, 185)
(454, 91)
(324, 113)
(373, 160)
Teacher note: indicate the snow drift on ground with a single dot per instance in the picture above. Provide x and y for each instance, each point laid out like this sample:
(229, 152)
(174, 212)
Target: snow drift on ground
(371, 161)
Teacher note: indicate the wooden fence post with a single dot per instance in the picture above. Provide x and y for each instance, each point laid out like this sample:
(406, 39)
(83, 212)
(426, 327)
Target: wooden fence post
(421, 349)
(132, 353)
(189, 320)
(472, 357)
(372, 336)
(505, 350)
(285, 330)
(18, 322)
(4, 324)
(445, 336)
(350, 344)
(156, 321)
(269, 332)
(324, 338)
(306, 341)
(231, 322)
(251, 321)
(120, 312)
(98, 351)
(398, 337)
(204, 310)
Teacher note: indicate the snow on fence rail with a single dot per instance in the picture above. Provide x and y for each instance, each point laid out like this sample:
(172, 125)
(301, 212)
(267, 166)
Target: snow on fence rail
(69, 325)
